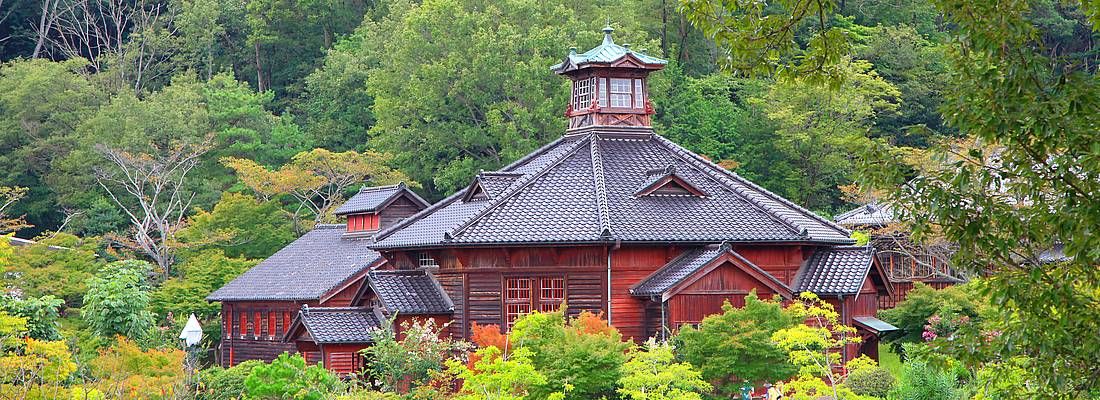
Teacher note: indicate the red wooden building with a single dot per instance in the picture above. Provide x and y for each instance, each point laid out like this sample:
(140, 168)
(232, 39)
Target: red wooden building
(613, 218)
(903, 261)
(610, 218)
(325, 267)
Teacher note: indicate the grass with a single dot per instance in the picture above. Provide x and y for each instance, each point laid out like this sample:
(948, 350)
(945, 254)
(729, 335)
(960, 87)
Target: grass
(888, 359)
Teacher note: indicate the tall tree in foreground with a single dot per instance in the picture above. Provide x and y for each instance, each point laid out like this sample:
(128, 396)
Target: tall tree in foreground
(1017, 196)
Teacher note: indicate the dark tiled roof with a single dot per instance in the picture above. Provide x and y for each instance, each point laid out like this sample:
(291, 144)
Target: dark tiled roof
(410, 292)
(303, 270)
(369, 199)
(340, 324)
(835, 270)
(1054, 254)
(676, 270)
(870, 214)
(693, 260)
(582, 189)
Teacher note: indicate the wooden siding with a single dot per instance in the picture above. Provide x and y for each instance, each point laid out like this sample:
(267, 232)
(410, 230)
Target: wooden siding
(474, 279)
(706, 295)
(343, 359)
(782, 262)
(629, 265)
(239, 345)
(396, 211)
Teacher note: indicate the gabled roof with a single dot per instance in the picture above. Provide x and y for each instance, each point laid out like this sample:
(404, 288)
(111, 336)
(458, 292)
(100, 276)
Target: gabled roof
(838, 270)
(487, 185)
(870, 214)
(370, 199)
(606, 53)
(326, 325)
(581, 189)
(667, 182)
(305, 269)
(696, 263)
(408, 292)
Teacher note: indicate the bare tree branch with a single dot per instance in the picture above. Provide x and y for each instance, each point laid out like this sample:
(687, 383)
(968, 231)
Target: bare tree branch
(151, 190)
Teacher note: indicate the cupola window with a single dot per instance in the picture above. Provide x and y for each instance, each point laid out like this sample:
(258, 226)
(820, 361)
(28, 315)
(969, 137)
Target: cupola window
(638, 101)
(620, 93)
(583, 90)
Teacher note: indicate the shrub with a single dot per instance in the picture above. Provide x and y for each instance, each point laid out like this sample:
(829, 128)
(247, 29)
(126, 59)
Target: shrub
(288, 377)
(495, 376)
(921, 381)
(127, 371)
(753, 356)
(653, 374)
(41, 313)
(116, 301)
(217, 383)
(411, 361)
(583, 353)
(875, 382)
(921, 303)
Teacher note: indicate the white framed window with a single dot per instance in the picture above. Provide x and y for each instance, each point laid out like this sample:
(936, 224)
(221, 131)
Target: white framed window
(639, 102)
(582, 93)
(620, 93)
(425, 260)
(603, 92)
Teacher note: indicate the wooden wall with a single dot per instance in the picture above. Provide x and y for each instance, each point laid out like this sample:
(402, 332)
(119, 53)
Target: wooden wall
(343, 359)
(782, 262)
(705, 296)
(396, 211)
(242, 344)
(474, 279)
(630, 265)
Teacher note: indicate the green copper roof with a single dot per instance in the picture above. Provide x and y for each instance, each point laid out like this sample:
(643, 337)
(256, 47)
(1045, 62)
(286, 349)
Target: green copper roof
(606, 52)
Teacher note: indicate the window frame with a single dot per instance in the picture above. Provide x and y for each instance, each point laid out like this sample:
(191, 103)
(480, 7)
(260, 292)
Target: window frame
(621, 92)
(423, 256)
(543, 295)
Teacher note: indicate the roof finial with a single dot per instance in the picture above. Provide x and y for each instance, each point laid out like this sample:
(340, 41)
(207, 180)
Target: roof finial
(607, 32)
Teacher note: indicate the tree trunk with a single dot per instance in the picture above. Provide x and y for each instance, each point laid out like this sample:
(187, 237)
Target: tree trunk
(259, 69)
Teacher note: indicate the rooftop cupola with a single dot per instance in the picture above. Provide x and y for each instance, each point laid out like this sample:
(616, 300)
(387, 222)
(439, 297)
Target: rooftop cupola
(609, 85)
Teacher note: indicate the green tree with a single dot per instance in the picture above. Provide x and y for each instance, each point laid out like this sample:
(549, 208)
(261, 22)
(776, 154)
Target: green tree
(581, 353)
(200, 274)
(817, 129)
(1022, 183)
(241, 227)
(498, 377)
(653, 374)
(920, 381)
(117, 300)
(41, 102)
(41, 313)
(916, 66)
(754, 357)
(464, 85)
(288, 377)
(55, 266)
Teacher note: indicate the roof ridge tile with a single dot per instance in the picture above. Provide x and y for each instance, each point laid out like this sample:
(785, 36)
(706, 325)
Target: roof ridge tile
(604, 211)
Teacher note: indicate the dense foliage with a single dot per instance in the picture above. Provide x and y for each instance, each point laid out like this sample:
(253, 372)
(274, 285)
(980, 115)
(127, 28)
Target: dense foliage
(156, 149)
(753, 357)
